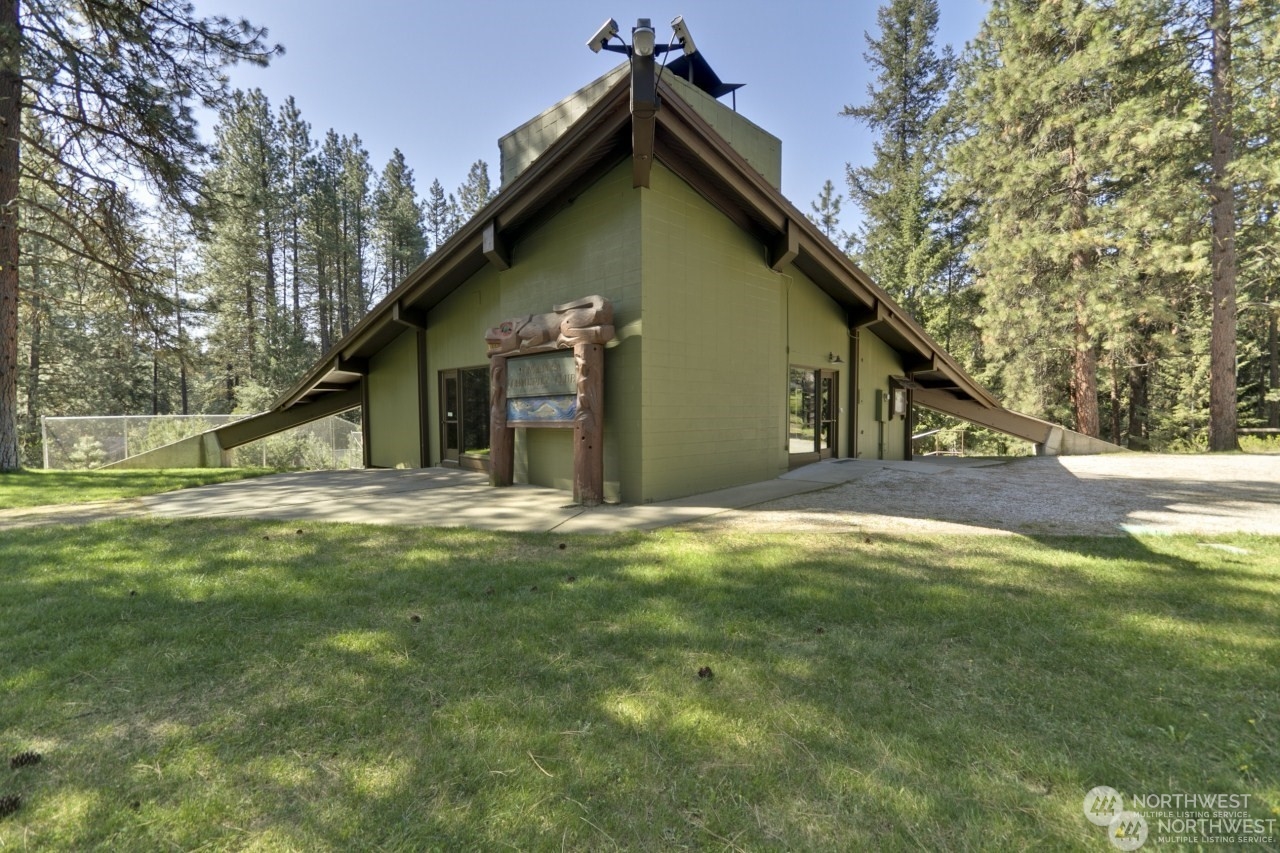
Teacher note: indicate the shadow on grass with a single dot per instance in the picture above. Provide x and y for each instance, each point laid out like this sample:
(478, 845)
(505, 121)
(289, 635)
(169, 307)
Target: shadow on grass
(34, 488)
(241, 684)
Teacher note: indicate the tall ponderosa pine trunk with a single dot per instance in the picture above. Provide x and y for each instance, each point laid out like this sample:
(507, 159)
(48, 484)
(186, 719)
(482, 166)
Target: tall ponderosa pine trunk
(1084, 360)
(1222, 341)
(10, 122)
(1139, 407)
(1273, 368)
(33, 356)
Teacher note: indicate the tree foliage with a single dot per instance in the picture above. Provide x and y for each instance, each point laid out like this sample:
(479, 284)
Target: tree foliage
(104, 90)
(901, 242)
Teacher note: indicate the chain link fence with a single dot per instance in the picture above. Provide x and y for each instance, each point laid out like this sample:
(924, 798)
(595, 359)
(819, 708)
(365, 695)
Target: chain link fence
(91, 442)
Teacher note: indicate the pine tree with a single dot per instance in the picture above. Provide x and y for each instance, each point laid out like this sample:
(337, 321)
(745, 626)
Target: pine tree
(439, 217)
(1235, 48)
(296, 149)
(324, 235)
(900, 243)
(90, 345)
(147, 63)
(1076, 162)
(397, 213)
(353, 199)
(171, 239)
(241, 254)
(826, 210)
(1257, 64)
(1222, 133)
(475, 191)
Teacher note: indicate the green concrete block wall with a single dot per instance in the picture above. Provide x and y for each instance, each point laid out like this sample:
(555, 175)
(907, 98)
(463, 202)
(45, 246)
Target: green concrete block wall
(518, 149)
(455, 339)
(714, 371)
(393, 405)
(195, 451)
(757, 146)
(549, 458)
(876, 363)
(591, 247)
(816, 329)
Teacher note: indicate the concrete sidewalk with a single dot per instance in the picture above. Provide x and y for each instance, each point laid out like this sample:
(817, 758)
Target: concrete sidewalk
(441, 497)
(1116, 494)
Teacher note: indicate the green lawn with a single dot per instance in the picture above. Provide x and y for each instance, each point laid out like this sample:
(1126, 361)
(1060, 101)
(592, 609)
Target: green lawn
(44, 488)
(266, 686)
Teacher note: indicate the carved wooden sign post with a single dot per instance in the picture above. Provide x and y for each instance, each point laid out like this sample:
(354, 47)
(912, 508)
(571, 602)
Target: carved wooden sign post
(547, 370)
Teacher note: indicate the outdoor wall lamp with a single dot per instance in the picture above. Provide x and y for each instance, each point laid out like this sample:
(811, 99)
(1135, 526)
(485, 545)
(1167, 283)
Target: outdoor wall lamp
(832, 358)
(642, 38)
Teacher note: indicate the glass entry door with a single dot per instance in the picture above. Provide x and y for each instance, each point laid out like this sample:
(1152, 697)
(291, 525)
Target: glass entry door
(813, 414)
(827, 410)
(450, 416)
(464, 417)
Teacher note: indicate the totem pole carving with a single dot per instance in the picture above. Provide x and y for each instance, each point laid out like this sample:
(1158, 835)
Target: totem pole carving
(584, 326)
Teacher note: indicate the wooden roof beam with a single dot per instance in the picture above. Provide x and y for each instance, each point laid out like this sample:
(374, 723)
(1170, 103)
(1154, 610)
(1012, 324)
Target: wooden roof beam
(920, 364)
(494, 249)
(406, 316)
(786, 248)
(358, 366)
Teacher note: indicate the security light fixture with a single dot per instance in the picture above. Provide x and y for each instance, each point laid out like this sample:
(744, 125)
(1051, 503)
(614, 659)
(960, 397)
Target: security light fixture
(607, 31)
(642, 56)
(643, 39)
(832, 358)
(682, 35)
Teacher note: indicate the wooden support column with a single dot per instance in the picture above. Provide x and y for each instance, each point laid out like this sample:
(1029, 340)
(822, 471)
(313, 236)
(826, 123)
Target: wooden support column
(502, 438)
(588, 425)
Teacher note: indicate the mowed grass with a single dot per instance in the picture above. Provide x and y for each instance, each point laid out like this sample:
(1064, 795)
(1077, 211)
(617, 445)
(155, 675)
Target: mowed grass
(264, 686)
(19, 489)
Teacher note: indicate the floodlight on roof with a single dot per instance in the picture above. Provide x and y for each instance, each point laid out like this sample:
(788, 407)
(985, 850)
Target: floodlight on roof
(607, 31)
(682, 35)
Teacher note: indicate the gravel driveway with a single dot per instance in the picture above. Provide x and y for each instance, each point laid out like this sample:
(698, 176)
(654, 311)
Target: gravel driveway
(1090, 495)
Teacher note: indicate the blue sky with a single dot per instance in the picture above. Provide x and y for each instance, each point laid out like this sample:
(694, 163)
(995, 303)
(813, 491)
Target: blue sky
(442, 81)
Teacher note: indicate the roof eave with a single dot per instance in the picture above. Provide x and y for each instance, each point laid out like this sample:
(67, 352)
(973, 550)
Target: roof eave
(817, 257)
(463, 253)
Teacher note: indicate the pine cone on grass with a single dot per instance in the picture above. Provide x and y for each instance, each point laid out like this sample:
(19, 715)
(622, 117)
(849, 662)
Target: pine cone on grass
(9, 804)
(24, 759)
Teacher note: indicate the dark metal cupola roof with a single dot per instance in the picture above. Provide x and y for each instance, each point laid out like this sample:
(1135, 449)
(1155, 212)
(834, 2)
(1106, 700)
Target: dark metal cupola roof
(695, 69)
